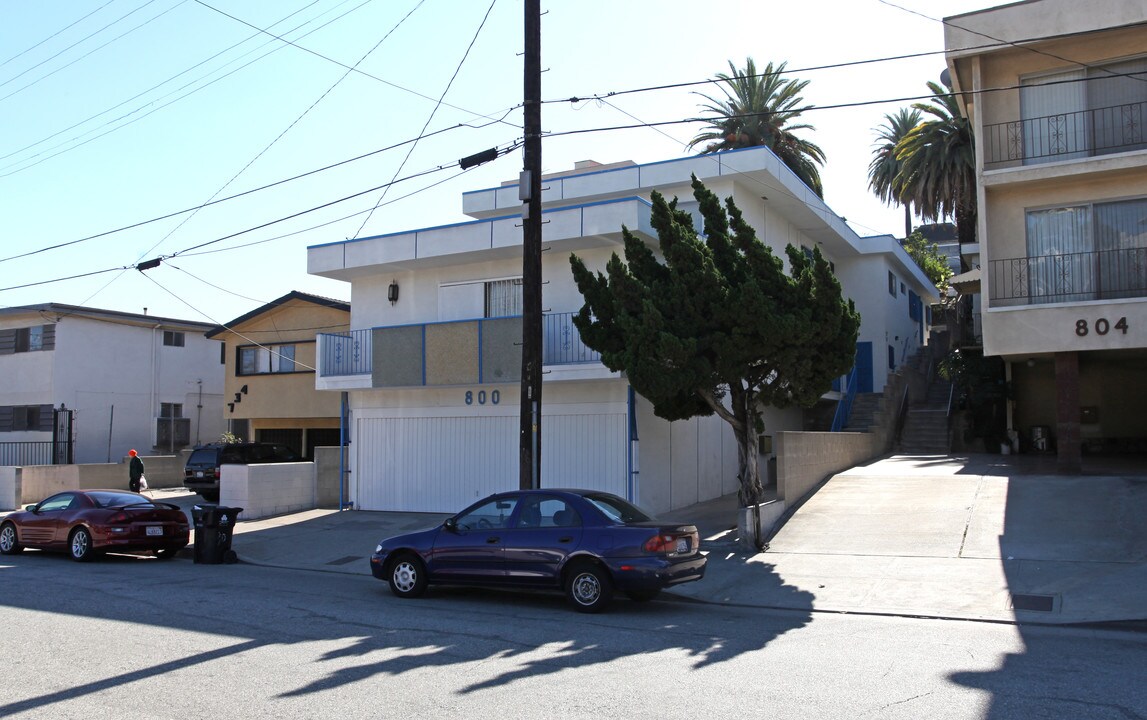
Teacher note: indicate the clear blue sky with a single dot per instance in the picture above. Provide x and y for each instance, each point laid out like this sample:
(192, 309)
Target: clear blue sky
(113, 112)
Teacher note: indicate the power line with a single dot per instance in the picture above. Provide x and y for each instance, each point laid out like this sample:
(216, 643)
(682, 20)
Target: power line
(153, 87)
(90, 52)
(61, 30)
(432, 112)
(289, 127)
(225, 199)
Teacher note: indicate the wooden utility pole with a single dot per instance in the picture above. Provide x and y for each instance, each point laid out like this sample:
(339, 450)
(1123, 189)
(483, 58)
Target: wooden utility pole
(530, 192)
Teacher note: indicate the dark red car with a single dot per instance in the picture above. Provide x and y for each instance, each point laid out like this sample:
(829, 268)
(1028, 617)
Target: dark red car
(86, 523)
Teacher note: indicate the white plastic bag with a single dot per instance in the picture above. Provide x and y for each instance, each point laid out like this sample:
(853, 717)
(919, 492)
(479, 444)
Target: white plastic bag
(142, 483)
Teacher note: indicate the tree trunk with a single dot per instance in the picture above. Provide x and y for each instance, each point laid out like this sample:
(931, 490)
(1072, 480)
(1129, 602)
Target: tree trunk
(745, 430)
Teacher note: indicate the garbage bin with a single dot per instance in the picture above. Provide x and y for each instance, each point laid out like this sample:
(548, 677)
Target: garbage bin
(214, 526)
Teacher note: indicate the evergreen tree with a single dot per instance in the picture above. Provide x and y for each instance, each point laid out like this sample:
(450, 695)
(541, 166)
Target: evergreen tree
(716, 325)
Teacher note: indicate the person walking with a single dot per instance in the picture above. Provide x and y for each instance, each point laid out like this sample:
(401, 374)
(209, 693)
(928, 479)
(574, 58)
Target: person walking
(134, 471)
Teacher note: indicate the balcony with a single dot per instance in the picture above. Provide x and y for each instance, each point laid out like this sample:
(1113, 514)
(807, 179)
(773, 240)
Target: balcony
(448, 353)
(1069, 277)
(1066, 136)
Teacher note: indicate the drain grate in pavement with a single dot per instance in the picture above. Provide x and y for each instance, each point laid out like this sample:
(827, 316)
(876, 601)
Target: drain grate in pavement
(345, 560)
(1035, 603)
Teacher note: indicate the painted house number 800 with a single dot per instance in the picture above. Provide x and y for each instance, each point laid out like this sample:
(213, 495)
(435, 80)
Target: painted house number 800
(480, 396)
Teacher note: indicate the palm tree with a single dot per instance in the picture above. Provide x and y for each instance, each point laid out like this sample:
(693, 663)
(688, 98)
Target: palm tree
(884, 168)
(756, 110)
(938, 164)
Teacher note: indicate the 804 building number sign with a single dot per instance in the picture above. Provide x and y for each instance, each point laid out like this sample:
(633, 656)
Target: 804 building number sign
(1102, 326)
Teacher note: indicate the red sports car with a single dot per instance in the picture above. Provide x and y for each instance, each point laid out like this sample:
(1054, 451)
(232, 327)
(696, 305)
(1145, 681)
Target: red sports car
(86, 523)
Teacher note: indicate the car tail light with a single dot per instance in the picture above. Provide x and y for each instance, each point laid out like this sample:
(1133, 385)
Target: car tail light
(670, 543)
(118, 518)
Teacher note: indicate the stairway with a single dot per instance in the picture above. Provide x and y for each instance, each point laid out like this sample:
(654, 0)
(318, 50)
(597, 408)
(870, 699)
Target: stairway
(925, 429)
(866, 411)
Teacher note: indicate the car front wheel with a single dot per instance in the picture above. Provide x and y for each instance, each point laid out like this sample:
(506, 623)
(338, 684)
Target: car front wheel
(407, 576)
(80, 545)
(9, 540)
(589, 588)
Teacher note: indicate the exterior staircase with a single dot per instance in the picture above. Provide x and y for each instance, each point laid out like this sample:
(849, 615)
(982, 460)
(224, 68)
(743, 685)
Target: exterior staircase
(926, 427)
(867, 410)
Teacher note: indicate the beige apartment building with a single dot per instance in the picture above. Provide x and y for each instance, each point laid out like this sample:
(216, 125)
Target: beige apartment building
(1057, 92)
(270, 357)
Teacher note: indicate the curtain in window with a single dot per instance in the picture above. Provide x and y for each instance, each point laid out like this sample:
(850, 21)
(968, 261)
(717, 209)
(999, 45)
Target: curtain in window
(1121, 244)
(504, 298)
(1059, 255)
(1117, 96)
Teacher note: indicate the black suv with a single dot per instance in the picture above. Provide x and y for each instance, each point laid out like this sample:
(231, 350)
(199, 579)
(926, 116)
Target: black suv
(201, 474)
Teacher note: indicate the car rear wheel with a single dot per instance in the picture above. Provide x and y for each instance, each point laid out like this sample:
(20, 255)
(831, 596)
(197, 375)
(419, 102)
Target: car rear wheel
(9, 540)
(407, 576)
(589, 588)
(80, 545)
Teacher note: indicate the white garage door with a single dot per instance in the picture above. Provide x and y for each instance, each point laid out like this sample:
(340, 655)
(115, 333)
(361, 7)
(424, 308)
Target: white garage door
(444, 464)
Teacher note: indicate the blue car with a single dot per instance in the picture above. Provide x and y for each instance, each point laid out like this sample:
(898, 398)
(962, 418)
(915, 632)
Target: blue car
(586, 543)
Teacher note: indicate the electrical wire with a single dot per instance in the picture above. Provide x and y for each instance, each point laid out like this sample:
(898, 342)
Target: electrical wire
(286, 130)
(61, 30)
(87, 54)
(432, 112)
(141, 223)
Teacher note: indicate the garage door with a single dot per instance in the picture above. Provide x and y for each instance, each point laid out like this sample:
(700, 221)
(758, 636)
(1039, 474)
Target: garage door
(443, 464)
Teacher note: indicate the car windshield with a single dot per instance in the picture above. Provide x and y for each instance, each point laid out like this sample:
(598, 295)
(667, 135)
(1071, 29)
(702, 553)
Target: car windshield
(108, 499)
(617, 509)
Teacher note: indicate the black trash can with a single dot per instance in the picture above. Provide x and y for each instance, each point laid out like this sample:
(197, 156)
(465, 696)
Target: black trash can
(214, 526)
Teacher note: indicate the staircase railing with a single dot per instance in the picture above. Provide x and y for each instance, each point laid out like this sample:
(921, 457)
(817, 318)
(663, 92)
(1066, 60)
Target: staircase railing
(844, 405)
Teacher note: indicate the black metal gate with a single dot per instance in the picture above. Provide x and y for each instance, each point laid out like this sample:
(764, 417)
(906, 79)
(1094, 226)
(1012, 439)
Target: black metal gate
(63, 437)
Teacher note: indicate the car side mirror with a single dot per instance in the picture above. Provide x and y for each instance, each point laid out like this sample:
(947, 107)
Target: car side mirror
(32, 508)
(450, 524)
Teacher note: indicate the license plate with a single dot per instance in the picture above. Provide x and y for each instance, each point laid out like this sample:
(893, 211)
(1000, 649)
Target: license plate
(155, 531)
(198, 473)
(682, 545)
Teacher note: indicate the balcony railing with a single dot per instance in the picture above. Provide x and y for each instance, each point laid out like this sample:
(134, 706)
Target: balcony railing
(351, 353)
(1069, 277)
(1067, 135)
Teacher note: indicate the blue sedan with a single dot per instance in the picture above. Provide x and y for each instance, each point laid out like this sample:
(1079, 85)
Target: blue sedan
(586, 543)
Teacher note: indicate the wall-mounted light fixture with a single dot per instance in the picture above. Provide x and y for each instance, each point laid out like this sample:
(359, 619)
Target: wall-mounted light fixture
(1031, 362)
(392, 292)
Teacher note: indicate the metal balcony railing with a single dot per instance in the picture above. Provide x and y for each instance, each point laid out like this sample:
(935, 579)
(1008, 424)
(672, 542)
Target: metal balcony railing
(351, 353)
(1067, 135)
(1068, 277)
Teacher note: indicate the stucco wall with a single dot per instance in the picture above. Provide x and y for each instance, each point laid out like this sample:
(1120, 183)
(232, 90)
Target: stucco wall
(32, 484)
(267, 490)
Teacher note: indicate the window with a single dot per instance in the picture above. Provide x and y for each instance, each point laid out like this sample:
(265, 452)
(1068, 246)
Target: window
(504, 298)
(484, 299)
(260, 360)
(1083, 112)
(172, 338)
(903, 289)
(29, 339)
(1087, 252)
(891, 284)
(492, 514)
(22, 418)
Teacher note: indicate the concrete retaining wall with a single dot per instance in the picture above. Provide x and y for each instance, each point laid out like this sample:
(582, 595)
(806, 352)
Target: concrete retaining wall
(804, 459)
(21, 486)
(266, 490)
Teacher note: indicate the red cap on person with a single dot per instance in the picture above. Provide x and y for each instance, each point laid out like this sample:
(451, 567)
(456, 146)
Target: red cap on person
(132, 453)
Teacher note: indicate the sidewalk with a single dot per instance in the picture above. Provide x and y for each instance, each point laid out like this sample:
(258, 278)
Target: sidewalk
(981, 538)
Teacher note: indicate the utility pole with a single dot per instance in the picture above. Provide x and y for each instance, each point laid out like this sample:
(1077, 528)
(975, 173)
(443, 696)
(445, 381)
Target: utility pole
(530, 192)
